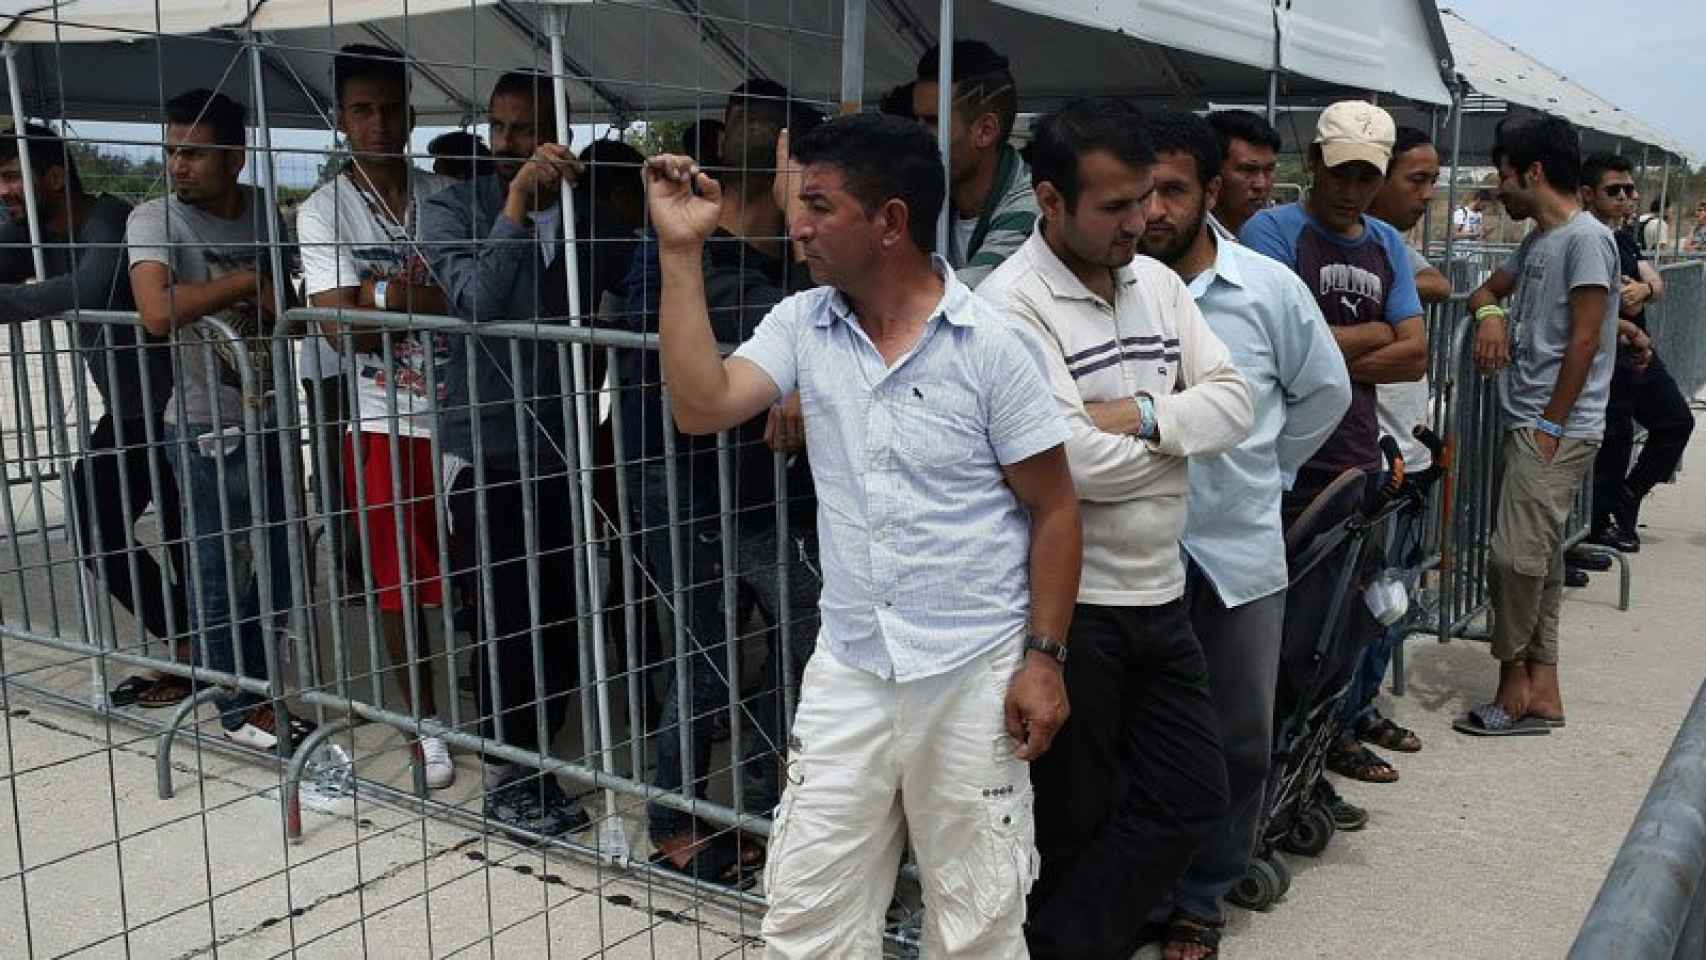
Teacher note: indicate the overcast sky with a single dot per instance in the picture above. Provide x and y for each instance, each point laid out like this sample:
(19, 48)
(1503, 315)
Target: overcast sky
(1646, 56)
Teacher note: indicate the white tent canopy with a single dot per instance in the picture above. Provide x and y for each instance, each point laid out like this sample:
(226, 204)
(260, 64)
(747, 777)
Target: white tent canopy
(637, 59)
(1497, 70)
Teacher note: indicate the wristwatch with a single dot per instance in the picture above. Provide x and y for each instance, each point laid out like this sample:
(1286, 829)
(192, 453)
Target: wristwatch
(1147, 426)
(1045, 646)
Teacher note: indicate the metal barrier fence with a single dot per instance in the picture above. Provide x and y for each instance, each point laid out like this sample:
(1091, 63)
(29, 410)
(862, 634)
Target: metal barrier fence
(1677, 325)
(1653, 903)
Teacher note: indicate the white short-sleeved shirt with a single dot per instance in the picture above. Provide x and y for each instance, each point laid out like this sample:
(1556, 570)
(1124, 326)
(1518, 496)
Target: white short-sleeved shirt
(925, 548)
(346, 239)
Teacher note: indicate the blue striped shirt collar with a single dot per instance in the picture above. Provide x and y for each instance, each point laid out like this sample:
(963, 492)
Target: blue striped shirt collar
(956, 305)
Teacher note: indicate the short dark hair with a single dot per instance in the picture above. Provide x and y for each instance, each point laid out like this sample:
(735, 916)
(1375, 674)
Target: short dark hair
(1484, 195)
(613, 166)
(1541, 138)
(47, 150)
(703, 141)
(466, 153)
(1189, 134)
(983, 81)
(216, 111)
(1654, 206)
(883, 158)
(1597, 165)
(898, 102)
(1083, 126)
(1409, 138)
(1243, 125)
(528, 82)
(368, 62)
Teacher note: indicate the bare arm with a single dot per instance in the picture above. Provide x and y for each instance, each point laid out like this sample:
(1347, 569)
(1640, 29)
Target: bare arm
(1432, 286)
(1404, 360)
(166, 306)
(1360, 338)
(400, 295)
(1587, 312)
(1492, 335)
(1036, 704)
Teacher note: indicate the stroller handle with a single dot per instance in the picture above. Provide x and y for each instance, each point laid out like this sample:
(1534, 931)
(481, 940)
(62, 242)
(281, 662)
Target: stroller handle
(1394, 466)
(1427, 438)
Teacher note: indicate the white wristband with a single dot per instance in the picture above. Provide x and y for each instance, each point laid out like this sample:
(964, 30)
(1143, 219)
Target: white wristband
(379, 294)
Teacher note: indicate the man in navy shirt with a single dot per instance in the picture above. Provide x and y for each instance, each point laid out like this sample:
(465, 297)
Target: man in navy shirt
(1358, 270)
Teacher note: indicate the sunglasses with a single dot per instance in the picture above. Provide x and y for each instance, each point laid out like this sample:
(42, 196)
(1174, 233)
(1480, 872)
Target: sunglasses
(1620, 190)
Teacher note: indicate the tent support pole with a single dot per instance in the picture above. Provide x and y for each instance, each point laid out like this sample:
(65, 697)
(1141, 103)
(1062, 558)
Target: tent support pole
(853, 56)
(944, 117)
(1456, 167)
(612, 835)
(32, 215)
(1664, 208)
(1428, 212)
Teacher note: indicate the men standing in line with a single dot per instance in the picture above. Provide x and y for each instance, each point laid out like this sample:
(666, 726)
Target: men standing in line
(1236, 576)
(993, 206)
(1468, 222)
(950, 540)
(1642, 390)
(84, 254)
(1249, 155)
(201, 251)
(1136, 779)
(1360, 275)
(1555, 371)
(357, 234)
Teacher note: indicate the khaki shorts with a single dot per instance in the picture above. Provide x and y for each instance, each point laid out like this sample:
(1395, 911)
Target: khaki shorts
(1526, 568)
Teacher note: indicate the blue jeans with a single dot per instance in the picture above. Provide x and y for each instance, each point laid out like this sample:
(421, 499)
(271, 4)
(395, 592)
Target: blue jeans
(702, 612)
(223, 589)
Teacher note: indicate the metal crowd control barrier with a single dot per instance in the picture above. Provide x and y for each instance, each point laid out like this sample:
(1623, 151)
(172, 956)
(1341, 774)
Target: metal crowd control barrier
(1677, 325)
(1652, 905)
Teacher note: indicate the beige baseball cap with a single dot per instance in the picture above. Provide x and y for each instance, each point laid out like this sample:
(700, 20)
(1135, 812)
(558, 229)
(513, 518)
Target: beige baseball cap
(1355, 130)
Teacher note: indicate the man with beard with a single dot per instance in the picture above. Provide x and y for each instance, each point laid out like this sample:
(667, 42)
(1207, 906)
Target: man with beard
(1235, 550)
(1136, 779)
(201, 251)
(495, 247)
(83, 251)
(1553, 389)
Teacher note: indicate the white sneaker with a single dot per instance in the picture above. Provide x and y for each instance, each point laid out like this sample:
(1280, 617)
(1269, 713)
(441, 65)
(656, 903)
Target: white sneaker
(434, 757)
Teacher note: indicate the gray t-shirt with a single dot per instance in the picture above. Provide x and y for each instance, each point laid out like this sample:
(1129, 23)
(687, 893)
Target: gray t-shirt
(1581, 252)
(198, 247)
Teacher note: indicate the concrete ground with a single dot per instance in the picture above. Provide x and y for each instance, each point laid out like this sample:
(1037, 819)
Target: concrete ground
(1485, 848)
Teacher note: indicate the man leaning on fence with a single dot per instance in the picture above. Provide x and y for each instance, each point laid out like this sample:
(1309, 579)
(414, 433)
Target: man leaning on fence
(749, 267)
(201, 251)
(113, 484)
(1554, 372)
(495, 247)
(1235, 550)
(1642, 389)
(950, 544)
(356, 233)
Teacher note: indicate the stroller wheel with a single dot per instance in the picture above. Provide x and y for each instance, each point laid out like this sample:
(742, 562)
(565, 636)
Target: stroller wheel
(1258, 888)
(1282, 871)
(1310, 833)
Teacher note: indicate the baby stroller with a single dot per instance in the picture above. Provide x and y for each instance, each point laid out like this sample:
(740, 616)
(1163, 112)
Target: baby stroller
(1334, 550)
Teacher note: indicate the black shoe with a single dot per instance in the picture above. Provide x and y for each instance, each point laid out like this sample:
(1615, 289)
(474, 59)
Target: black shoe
(1613, 534)
(1595, 562)
(533, 804)
(1575, 576)
(1346, 816)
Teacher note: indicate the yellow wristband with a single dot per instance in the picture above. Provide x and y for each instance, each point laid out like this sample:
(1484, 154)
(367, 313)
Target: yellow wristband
(1489, 310)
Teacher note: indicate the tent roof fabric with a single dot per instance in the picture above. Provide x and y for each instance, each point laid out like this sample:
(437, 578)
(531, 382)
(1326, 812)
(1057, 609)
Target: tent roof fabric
(639, 59)
(1496, 69)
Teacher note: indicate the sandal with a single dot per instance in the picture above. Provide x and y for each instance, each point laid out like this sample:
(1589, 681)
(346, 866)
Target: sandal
(164, 692)
(1391, 736)
(1187, 931)
(718, 861)
(1361, 763)
(125, 694)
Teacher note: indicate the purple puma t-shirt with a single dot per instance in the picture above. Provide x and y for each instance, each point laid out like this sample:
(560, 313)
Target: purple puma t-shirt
(1365, 280)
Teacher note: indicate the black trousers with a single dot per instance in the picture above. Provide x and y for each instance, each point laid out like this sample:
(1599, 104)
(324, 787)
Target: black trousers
(506, 570)
(116, 467)
(1652, 399)
(1134, 782)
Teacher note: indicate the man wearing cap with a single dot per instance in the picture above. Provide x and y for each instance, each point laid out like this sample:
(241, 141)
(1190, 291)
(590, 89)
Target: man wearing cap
(1358, 270)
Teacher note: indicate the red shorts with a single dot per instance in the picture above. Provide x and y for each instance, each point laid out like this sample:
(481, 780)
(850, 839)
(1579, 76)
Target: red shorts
(420, 528)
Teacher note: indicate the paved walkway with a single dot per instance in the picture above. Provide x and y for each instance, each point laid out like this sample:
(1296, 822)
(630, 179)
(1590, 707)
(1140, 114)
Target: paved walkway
(1486, 848)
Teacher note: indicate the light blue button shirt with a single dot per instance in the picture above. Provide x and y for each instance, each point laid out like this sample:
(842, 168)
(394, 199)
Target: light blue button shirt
(925, 549)
(1285, 350)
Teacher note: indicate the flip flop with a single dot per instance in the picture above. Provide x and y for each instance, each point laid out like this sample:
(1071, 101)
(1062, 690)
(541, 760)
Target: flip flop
(125, 694)
(1491, 720)
(1554, 723)
(167, 691)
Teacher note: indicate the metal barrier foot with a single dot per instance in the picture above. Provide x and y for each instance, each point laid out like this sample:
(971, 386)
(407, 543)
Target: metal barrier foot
(163, 755)
(1623, 579)
(292, 792)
